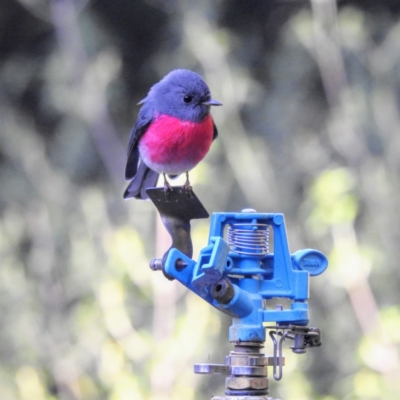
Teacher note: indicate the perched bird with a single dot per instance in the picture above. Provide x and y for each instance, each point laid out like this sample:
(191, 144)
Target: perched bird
(173, 133)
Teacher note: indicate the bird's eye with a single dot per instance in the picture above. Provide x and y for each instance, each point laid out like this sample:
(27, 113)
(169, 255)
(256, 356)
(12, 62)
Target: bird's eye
(187, 99)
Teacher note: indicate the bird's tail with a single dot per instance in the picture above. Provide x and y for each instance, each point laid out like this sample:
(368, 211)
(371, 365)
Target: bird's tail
(144, 178)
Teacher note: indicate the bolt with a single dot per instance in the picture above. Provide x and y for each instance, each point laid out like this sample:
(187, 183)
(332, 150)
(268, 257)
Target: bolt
(223, 291)
(156, 264)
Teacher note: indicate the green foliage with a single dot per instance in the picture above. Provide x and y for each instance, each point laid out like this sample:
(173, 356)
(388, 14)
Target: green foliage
(335, 200)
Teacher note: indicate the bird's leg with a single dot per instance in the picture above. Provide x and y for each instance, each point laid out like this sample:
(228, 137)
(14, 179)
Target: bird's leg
(187, 187)
(187, 183)
(167, 186)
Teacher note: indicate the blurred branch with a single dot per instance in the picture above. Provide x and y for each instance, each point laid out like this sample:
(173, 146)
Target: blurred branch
(347, 138)
(354, 274)
(40, 8)
(251, 167)
(89, 81)
(345, 130)
(27, 149)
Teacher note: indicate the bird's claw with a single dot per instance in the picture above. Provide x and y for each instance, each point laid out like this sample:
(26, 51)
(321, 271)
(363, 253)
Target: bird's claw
(188, 190)
(167, 189)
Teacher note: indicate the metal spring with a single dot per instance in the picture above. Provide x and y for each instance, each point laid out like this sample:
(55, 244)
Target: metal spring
(249, 239)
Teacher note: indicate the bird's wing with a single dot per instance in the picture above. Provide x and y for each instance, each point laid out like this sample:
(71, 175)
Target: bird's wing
(215, 131)
(144, 120)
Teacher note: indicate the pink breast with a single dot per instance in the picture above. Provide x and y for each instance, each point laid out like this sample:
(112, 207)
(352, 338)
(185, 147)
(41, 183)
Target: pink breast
(173, 146)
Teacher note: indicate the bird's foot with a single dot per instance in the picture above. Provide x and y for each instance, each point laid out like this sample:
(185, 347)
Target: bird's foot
(167, 188)
(187, 188)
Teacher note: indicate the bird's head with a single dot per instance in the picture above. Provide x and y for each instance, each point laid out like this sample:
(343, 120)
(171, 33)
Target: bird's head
(182, 94)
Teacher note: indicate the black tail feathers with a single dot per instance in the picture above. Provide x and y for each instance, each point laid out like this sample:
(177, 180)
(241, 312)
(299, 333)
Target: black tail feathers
(144, 178)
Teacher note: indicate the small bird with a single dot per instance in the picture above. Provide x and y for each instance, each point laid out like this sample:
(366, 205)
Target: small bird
(173, 133)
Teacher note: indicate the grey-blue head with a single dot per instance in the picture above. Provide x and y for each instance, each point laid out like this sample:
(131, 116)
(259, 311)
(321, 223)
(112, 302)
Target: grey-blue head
(182, 94)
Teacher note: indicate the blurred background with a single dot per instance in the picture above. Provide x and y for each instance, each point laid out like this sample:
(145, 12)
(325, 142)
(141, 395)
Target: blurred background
(309, 127)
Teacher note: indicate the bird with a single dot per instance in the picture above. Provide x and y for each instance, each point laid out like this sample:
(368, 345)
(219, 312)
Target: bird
(173, 132)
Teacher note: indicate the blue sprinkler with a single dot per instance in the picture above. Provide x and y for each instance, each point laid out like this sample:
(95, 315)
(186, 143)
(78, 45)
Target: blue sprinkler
(238, 274)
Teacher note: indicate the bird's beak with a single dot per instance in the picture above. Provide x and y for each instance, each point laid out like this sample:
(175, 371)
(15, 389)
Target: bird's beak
(211, 102)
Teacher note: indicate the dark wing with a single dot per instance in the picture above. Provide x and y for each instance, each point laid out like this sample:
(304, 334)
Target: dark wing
(215, 131)
(144, 120)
